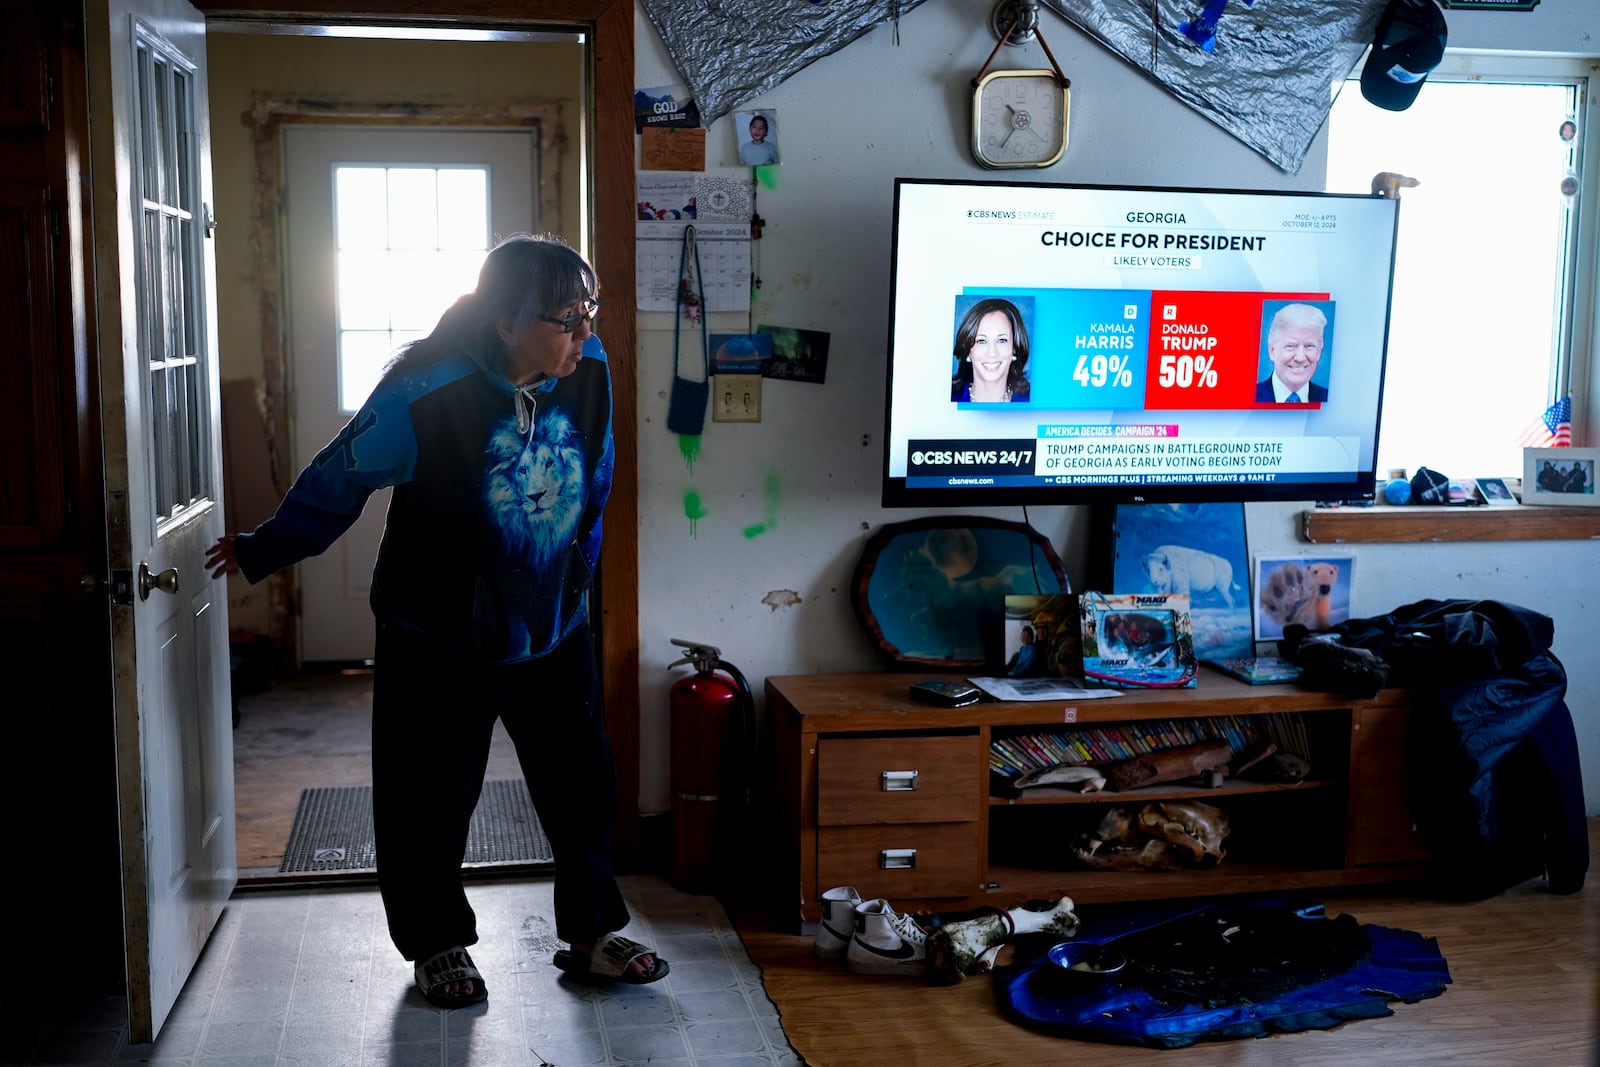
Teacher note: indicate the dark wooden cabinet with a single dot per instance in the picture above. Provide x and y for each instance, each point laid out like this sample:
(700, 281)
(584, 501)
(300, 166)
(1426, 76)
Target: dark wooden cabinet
(1381, 827)
(892, 797)
(24, 67)
(55, 624)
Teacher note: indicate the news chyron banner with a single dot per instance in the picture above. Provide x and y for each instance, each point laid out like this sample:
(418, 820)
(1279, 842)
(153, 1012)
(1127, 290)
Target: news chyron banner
(1171, 380)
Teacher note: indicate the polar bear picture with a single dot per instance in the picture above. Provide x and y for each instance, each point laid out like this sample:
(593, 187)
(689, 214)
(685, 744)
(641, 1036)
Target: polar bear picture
(1195, 549)
(1179, 569)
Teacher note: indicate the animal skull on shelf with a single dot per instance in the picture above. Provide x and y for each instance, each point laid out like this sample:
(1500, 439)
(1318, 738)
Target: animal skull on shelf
(1159, 836)
(958, 949)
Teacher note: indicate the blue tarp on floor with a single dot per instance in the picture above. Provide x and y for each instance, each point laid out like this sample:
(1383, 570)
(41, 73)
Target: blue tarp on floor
(1214, 971)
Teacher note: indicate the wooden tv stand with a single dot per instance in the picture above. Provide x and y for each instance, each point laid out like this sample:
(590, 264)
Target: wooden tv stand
(892, 796)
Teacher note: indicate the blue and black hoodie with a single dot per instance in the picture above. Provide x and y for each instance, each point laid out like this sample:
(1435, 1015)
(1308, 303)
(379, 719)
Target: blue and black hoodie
(494, 531)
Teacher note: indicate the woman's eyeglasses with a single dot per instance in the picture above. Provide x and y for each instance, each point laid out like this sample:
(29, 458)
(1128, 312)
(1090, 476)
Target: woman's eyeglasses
(586, 312)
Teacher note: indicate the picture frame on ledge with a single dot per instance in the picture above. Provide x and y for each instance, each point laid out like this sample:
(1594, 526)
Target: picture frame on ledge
(1496, 493)
(1560, 477)
(1463, 492)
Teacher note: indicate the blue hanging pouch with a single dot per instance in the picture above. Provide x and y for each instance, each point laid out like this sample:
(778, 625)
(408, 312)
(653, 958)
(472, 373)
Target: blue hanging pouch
(686, 405)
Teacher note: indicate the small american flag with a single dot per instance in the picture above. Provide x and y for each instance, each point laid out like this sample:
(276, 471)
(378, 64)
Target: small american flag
(1553, 429)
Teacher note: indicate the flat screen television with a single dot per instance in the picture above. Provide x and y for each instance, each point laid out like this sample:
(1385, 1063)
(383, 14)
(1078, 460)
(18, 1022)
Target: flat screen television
(1064, 344)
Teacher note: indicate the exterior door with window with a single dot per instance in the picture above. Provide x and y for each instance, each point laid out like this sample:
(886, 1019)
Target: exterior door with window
(160, 408)
(386, 227)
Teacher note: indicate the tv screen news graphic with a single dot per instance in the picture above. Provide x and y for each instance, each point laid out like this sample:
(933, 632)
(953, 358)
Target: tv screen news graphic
(1060, 344)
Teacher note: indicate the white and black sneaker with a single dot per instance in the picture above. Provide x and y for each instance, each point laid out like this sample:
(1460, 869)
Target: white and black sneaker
(838, 921)
(886, 942)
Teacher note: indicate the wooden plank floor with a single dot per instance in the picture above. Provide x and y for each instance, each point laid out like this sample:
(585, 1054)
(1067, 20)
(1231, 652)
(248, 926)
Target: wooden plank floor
(1524, 991)
(307, 731)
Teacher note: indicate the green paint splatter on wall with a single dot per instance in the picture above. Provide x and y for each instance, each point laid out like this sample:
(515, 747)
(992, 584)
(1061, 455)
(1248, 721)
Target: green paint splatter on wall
(767, 176)
(689, 445)
(773, 489)
(694, 511)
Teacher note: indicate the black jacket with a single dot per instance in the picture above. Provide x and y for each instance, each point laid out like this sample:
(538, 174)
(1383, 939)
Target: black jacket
(1497, 786)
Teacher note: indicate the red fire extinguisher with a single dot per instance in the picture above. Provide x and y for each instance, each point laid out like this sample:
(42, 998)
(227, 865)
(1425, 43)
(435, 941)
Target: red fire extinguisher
(712, 726)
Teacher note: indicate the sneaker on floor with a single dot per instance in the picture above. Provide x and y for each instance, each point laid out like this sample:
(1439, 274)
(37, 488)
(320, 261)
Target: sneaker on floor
(838, 921)
(886, 942)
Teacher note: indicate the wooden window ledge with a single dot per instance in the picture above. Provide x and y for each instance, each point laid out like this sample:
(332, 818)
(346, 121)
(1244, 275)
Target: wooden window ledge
(1422, 523)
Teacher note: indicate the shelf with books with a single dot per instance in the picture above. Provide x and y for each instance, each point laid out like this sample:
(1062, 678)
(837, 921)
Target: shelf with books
(1015, 752)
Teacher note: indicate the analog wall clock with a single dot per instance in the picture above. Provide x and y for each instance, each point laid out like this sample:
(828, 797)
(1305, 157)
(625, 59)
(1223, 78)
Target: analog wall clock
(1019, 118)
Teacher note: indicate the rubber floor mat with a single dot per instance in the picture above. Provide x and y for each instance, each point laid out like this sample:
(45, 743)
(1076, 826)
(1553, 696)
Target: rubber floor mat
(332, 830)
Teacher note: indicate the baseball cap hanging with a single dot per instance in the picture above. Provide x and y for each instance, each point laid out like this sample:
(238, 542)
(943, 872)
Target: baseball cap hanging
(1408, 43)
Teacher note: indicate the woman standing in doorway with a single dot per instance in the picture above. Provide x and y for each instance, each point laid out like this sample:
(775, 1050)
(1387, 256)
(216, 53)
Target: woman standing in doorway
(495, 431)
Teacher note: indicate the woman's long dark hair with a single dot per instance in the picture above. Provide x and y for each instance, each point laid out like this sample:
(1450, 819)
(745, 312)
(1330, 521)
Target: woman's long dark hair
(524, 276)
(967, 333)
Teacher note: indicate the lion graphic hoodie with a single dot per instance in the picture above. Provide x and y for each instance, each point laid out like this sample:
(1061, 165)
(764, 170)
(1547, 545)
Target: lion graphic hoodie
(493, 532)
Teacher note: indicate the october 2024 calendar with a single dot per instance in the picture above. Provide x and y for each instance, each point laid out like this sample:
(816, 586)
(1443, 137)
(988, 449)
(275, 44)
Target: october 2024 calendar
(724, 253)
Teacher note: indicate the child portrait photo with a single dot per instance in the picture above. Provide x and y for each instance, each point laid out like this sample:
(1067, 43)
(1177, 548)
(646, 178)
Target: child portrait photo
(757, 132)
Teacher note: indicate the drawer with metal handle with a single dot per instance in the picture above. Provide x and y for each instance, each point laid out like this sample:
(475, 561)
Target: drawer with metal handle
(922, 860)
(918, 779)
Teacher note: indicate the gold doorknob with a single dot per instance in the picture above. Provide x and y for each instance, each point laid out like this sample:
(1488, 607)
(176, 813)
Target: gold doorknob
(166, 581)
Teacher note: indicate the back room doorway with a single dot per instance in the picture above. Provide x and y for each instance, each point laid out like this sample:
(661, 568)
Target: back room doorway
(289, 105)
(385, 226)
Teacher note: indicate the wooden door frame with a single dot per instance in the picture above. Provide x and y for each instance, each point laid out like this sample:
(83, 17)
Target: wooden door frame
(608, 128)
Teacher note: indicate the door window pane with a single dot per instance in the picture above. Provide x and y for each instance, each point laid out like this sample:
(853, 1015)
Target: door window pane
(362, 207)
(168, 280)
(463, 209)
(413, 208)
(411, 240)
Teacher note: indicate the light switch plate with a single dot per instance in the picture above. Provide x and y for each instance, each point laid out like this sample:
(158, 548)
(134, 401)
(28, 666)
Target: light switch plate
(736, 398)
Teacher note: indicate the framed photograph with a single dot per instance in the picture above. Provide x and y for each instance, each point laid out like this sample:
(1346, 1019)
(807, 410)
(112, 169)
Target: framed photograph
(1495, 492)
(1042, 637)
(1313, 591)
(1562, 477)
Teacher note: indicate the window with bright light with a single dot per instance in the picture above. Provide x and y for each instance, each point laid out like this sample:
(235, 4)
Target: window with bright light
(410, 240)
(1482, 318)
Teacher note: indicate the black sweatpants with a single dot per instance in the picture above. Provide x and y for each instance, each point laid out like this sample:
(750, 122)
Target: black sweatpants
(433, 716)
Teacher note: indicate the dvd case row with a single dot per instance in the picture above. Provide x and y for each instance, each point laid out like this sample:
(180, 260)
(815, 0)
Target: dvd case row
(1019, 753)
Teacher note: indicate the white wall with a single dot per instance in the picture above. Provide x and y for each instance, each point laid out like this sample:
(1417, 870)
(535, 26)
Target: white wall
(850, 124)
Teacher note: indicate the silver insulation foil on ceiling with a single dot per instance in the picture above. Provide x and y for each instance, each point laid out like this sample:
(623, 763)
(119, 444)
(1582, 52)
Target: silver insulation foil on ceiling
(1267, 80)
(731, 51)
(1270, 75)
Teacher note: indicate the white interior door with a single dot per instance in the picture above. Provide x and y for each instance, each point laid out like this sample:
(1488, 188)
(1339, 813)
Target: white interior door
(160, 402)
(386, 227)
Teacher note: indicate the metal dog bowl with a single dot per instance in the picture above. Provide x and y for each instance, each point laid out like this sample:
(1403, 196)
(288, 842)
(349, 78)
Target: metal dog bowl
(1084, 964)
